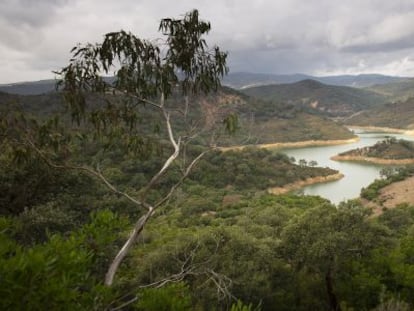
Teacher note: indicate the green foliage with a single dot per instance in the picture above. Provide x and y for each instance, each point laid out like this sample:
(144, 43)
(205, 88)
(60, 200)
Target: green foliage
(59, 274)
(146, 71)
(330, 99)
(397, 114)
(231, 123)
(172, 297)
(325, 239)
(240, 306)
(252, 168)
(398, 220)
(219, 233)
(391, 148)
(373, 190)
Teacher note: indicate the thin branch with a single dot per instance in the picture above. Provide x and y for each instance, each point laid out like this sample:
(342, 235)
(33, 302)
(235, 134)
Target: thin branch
(170, 160)
(89, 171)
(183, 177)
(120, 307)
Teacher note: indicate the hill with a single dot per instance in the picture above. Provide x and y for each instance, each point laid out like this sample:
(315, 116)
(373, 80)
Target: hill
(395, 91)
(389, 151)
(264, 122)
(318, 97)
(237, 80)
(29, 88)
(260, 121)
(241, 80)
(399, 115)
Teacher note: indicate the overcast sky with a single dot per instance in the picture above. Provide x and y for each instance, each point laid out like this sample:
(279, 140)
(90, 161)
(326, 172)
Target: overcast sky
(318, 37)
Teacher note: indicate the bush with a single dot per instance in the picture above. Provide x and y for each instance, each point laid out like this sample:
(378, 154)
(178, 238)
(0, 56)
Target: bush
(173, 297)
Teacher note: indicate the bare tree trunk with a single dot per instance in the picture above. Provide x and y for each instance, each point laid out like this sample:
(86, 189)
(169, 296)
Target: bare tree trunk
(139, 226)
(333, 300)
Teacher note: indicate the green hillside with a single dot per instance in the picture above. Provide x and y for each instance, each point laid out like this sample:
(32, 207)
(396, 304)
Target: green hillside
(391, 149)
(325, 99)
(259, 121)
(398, 115)
(400, 90)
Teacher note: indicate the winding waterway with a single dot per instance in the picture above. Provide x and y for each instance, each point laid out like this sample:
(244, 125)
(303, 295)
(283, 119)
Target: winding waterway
(356, 175)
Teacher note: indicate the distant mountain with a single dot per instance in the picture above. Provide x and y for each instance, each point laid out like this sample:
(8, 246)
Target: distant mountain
(394, 115)
(315, 96)
(42, 105)
(29, 88)
(359, 81)
(241, 80)
(237, 80)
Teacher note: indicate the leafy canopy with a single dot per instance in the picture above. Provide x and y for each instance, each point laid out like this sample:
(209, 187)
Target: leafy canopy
(143, 69)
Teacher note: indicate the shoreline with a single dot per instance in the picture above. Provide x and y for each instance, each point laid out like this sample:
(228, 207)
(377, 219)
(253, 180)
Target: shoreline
(373, 160)
(298, 144)
(302, 183)
(381, 129)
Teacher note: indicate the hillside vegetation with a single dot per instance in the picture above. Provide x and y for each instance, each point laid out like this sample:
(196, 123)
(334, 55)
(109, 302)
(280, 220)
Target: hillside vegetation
(114, 195)
(59, 229)
(399, 115)
(59, 236)
(323, 99)
(243, 80)
(238, 80)
(395, 91)
(260, 121)
(389, 149)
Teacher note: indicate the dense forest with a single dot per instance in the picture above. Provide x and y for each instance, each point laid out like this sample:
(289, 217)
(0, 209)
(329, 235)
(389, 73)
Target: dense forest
(114, 196)
(211, 246)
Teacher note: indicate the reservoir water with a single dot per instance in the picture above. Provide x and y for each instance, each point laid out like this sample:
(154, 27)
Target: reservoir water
(356, 175)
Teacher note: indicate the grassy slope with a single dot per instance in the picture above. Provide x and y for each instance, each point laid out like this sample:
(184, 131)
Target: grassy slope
(401, 90)
(397, 115)
(326, 99)
(387, 149)
(264, 122)
(260, 121)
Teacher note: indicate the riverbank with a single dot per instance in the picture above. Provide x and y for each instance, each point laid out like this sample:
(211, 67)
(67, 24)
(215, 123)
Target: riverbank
(302, 183)
(373, 160)
(298, 144)
(381, 129)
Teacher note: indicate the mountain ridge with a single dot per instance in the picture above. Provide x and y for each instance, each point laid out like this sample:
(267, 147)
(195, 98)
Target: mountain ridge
(241, 80)
(317, 97)
(237, 80)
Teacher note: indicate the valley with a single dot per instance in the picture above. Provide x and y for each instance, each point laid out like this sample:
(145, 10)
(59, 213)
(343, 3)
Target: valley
(265, 163)
(264, 195)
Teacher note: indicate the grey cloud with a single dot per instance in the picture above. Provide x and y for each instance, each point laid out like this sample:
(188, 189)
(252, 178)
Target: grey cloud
(283, 36)
(29, 12)
(392, 45)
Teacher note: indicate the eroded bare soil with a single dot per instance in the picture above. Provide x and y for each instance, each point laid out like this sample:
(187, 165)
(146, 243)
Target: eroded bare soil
(393, 195)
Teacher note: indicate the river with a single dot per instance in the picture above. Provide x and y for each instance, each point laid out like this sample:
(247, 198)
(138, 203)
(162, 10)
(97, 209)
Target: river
(356, 175)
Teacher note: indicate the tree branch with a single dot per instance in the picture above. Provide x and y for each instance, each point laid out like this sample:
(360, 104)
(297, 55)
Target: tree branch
(89, 171)
(139, 226)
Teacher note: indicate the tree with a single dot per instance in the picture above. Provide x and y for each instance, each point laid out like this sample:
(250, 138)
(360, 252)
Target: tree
(325, 240)
(313, 163)
(144, 109)
(303, 162)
